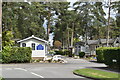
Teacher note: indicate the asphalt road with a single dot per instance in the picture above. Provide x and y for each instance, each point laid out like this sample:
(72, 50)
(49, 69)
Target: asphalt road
(46, 70)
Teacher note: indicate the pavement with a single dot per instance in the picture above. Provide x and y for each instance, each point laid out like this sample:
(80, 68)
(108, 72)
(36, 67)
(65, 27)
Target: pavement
(46, 70)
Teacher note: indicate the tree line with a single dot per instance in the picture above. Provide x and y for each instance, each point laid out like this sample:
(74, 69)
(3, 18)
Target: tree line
(85, 19)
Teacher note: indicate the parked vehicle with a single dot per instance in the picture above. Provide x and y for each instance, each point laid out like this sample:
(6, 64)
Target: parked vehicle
(58, 58)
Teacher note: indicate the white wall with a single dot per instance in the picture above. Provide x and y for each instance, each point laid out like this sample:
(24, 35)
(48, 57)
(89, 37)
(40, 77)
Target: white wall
(35, 53)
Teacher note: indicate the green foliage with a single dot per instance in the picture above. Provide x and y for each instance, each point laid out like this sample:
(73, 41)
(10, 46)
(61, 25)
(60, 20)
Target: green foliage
(81, 54)
(23, 19)
(16, 54)
(7, 38)
(112, 56)
(116, 7)
(67, 52)
(0, 57)
(2, 78)
(99, 55)
(109, 55)
(52, 52)
(59, 53)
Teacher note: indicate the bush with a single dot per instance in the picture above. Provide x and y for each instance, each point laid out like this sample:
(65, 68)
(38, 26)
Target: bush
(0, 57)
(59, 53)
(100, 55)
(16, 54)
(81, 54)
(111, 56)
(67, 52)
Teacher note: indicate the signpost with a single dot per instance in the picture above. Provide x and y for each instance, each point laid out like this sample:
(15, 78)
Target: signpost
(40, 47)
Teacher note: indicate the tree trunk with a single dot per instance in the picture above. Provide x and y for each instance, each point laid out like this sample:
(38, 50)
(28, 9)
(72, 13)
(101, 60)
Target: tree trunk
(68, 38)
(72, 35)
(72, 38)
(48, 25)
(86, 35)
(108, 27)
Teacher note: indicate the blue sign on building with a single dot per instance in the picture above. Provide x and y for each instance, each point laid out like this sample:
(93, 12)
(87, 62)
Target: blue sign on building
(40, 47)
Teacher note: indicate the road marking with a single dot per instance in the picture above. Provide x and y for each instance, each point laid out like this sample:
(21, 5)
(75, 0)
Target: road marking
(8, 68)
(21, 69)
(37, 75)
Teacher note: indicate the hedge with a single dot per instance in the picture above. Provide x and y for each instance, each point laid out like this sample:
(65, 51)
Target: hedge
(99, 53)
(59, 52)
(66, 52)
(16, 54)
(81, 54)
(0, 57)
(110, 56)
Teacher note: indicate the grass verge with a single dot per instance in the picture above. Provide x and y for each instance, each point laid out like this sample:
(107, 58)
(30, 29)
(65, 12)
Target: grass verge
(97, 74)
(2, 78)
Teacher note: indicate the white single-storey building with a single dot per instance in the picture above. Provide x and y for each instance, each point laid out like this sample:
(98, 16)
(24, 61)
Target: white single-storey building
(39, 46)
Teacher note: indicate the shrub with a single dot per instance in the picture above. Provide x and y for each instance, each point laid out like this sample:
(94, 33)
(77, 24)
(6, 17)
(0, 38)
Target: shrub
(67, 52)
(0, 57)
(59, 52)
(52, 52)
(99, 54)
(81, 54)
(110, 56)
(16, 54)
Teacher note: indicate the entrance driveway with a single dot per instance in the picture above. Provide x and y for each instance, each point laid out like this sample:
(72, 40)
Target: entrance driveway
(46, 70)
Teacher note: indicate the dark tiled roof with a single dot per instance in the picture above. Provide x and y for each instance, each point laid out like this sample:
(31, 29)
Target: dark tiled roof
(92, 42)
(80, 43)
(104, 41)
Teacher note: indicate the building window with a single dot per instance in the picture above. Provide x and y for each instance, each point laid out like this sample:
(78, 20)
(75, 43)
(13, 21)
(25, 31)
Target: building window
(33, 46)
(23, 44)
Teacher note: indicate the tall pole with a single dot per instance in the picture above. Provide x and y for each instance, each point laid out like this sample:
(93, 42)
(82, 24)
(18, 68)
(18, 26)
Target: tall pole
(108, 27)
(0, 24)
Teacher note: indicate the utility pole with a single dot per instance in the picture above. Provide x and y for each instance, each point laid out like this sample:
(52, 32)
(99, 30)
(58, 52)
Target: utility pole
(108, 27)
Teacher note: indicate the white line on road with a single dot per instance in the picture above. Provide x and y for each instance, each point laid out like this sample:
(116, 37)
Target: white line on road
(21, 69)
(37, 75)
(8, 68)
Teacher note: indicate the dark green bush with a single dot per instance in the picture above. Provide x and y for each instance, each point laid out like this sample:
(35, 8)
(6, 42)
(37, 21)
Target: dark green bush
(59, 53)
(16, 54)
(111, 56)
(67, 52)
(99, 54)
(81, 54)
(0, 57)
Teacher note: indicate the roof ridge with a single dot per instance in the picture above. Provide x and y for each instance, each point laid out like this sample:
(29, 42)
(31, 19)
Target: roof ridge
(32, 37)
